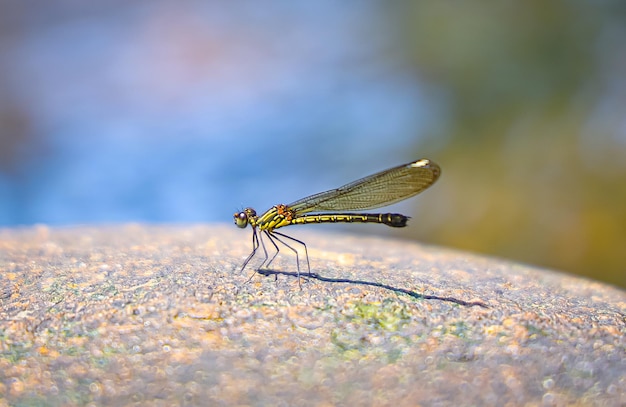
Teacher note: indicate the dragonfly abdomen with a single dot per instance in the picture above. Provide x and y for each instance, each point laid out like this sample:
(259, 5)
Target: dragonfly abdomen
(395, 220)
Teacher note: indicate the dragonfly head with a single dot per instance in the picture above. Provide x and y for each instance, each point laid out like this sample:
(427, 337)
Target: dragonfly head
(244, 217)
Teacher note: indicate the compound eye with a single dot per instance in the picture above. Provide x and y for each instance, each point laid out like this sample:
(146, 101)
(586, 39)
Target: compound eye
(241, 219)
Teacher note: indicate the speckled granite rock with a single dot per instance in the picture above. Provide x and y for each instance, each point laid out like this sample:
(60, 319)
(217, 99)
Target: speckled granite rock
(163, 315)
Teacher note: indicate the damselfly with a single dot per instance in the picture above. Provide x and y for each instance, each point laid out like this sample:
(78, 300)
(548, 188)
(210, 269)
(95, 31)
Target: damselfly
(374, 191)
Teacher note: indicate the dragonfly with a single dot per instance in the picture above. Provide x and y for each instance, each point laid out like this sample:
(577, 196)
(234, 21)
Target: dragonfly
(337, 205)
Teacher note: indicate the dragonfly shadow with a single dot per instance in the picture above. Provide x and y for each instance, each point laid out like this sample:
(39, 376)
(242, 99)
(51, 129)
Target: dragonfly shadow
(270, 272)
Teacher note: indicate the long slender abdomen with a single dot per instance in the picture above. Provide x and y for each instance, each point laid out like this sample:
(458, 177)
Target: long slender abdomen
(395, 220)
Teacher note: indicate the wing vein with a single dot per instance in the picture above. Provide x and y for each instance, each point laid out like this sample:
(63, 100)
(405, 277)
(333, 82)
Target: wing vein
(374, 191)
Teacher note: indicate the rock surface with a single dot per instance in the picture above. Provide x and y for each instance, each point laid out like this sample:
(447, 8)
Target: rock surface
(163, 315)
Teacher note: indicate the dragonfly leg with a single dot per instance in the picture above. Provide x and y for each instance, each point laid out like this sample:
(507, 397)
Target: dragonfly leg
(256, 238)
(267, 263)
(295, 251)
(306, 252)
(255, 246)
(264, 250)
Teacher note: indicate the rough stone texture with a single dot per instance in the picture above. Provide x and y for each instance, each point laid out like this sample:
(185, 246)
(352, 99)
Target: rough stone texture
(163, 315)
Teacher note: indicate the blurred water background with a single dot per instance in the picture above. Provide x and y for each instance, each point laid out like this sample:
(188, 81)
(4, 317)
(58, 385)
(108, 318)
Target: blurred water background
(156, 111)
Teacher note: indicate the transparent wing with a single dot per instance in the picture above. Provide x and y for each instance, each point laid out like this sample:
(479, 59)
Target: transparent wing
(380, 189)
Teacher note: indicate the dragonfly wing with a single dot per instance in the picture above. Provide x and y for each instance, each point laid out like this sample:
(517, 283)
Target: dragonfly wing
(380, 189)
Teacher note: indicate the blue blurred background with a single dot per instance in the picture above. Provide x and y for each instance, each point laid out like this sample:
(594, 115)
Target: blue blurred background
(155, 111)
